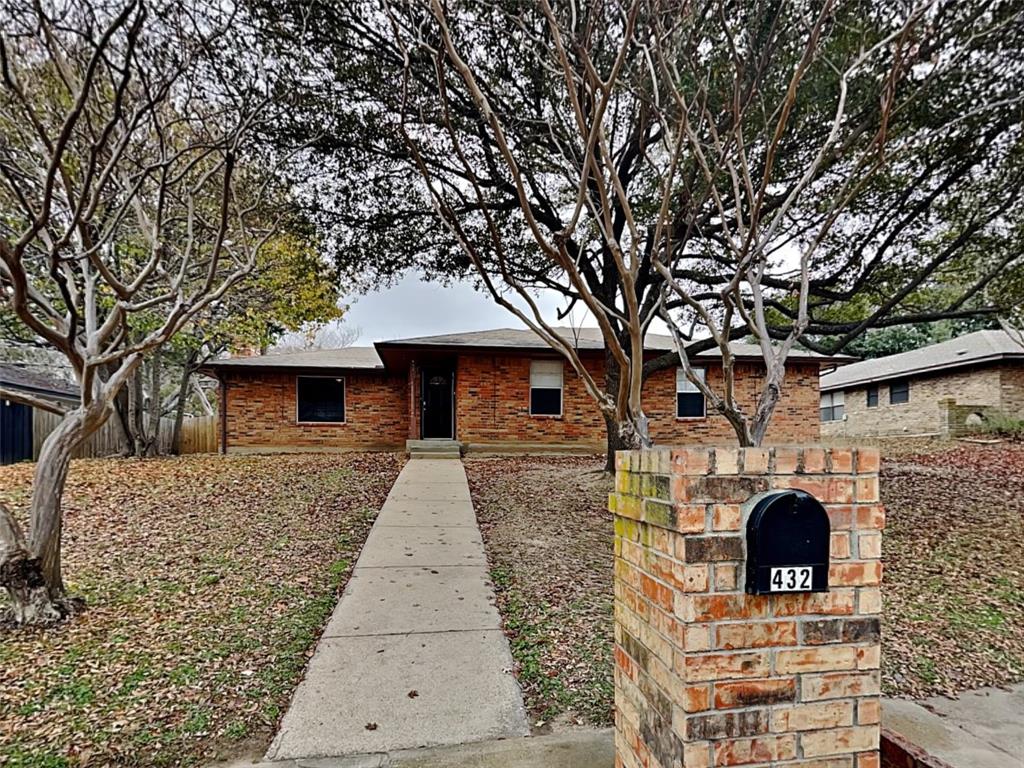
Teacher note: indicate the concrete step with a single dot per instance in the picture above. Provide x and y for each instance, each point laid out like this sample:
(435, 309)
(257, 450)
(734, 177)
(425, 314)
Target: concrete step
(434, 449)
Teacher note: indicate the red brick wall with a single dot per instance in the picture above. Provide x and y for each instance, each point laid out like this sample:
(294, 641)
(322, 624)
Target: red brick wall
(707, 675)
(493, 405)
(261, 413)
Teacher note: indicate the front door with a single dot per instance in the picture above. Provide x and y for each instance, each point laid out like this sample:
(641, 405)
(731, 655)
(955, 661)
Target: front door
(437, 403)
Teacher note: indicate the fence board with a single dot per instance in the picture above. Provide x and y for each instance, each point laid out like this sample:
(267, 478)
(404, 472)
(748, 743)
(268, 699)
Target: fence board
(198, 435)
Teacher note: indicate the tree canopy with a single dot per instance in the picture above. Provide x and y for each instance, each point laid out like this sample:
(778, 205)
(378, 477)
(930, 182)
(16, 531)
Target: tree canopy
(830, 167)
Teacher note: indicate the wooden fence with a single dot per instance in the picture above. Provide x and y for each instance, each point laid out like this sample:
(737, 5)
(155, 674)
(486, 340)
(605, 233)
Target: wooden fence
(198, 435)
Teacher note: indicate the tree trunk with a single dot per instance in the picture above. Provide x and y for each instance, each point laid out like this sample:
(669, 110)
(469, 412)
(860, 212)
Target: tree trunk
(155, 409)
(22, 576)
(122, 416)
(137, 413)
(32, 574)
(620, 435)
(188, 369)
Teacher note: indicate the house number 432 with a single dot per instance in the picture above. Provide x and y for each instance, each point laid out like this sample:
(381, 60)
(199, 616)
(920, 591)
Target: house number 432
(791, 579)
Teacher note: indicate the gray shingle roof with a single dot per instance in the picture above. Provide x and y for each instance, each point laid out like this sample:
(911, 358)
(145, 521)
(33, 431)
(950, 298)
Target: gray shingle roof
(970, 349)
(16, 377)
(367, 358)
(582, 338)
(352, 358)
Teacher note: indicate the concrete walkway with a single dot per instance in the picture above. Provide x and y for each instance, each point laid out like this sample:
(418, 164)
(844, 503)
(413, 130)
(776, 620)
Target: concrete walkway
(414, 655)
(978, 729)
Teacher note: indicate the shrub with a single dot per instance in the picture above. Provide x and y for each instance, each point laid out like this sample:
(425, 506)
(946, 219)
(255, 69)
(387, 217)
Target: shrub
(1004, 425)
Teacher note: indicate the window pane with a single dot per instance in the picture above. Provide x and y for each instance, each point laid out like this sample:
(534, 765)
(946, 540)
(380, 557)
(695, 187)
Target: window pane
(683, 384)
(872, 397)
(826, 400)
(689, 405)
(321, 399)
(837, 412)
(546, 402)
(826, 414)
(899, 392)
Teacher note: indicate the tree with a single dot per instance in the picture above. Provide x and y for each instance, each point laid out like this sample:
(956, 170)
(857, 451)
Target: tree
(131, 184)
(796, 172)
(289, 289)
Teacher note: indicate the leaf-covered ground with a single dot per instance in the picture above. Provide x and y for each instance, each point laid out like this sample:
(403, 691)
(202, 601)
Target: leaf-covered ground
(548, 537)
(954, 579)
(954, 559)
(208, 579)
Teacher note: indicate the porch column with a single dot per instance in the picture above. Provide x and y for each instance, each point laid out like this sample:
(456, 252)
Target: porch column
(414, 401)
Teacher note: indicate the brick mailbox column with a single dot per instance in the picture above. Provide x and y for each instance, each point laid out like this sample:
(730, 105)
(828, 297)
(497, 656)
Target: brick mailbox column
(707, 675)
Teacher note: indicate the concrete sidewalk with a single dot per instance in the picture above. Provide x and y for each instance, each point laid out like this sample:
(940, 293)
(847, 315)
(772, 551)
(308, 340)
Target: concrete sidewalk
(978, 729)
(414, 655)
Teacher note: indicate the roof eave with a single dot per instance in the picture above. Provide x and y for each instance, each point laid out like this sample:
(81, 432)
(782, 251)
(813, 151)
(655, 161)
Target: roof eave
(923, 369)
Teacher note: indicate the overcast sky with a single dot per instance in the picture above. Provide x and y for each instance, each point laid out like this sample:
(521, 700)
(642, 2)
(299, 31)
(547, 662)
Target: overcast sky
(417, 308)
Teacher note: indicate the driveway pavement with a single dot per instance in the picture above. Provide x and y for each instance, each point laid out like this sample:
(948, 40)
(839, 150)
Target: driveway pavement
(414, 655)
(978, 729)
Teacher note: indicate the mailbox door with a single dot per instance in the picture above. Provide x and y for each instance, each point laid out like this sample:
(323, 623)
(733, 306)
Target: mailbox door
(788, 536)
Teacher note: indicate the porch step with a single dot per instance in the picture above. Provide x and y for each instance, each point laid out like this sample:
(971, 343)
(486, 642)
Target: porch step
(434, 449)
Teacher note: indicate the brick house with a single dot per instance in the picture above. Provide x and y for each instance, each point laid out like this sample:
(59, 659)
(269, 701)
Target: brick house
(940, 390)
(489, 390)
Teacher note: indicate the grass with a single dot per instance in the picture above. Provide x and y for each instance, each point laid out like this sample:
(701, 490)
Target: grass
(1003, 425)
(208, 580)
(953, 615)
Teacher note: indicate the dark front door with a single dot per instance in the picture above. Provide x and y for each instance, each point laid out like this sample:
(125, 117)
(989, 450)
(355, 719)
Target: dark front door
(437, 403)
(15, 432)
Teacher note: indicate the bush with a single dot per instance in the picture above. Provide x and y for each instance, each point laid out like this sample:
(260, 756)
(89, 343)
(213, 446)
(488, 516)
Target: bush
(1004, 425)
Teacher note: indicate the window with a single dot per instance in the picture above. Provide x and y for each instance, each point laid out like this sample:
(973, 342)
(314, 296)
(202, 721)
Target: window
(832, 406)
(689, 399)
(873, 396)
(546, 388)
(320, 399)
(899, 392)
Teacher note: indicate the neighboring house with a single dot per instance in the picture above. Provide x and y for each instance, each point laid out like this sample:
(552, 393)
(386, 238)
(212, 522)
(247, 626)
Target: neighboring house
(16, 418)
(943, 389)
(493, 390)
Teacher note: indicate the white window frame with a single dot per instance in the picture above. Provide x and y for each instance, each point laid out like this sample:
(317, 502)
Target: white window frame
(835, 398)
(344, 394)
(687, 387)
(561, 387)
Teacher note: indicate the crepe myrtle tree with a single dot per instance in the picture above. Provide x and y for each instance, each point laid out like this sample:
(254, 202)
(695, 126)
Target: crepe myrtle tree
(792, 172)
(130, 193)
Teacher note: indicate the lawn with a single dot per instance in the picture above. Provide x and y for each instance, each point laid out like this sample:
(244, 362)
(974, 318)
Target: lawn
(208, 580)
(954, 579)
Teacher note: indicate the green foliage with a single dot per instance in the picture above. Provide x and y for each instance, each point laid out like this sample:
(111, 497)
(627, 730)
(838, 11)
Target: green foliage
(936, 220)
(290, 288)
(1003, 425)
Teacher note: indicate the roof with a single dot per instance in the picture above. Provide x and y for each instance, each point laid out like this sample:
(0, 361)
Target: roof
(581, 338)
(15, 377)
(970, 349)
(349, 358)
(373, 358)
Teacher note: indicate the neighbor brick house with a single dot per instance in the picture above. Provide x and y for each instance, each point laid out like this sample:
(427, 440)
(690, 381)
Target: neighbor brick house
(489, 390)
(943, 389)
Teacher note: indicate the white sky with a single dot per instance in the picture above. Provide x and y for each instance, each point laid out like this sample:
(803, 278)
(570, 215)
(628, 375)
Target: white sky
(417, 308)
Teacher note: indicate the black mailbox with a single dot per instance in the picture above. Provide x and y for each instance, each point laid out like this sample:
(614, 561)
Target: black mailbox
(787, 544)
